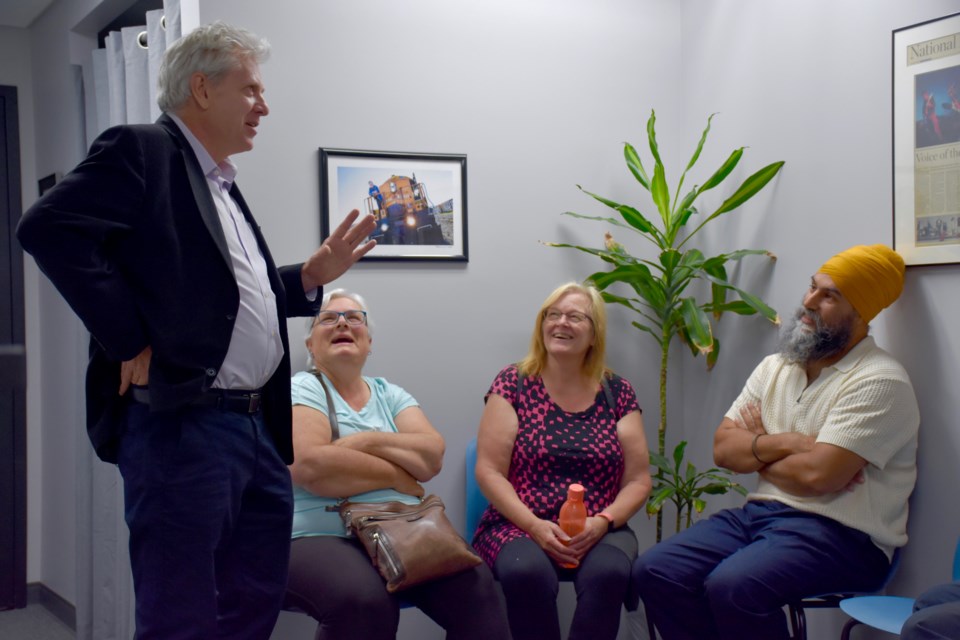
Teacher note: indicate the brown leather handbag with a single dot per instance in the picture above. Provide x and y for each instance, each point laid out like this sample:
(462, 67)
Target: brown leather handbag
(408, 544)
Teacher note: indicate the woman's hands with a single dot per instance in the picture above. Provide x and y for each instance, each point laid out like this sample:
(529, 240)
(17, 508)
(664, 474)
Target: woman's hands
(563, 549)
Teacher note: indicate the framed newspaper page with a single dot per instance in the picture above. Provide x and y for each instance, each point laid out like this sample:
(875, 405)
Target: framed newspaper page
(926, 141)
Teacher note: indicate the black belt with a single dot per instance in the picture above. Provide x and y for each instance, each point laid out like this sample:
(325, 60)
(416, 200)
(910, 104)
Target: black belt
(243, 401)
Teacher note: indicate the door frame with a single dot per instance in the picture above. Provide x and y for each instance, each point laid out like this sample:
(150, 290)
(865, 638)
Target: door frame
(13, 455)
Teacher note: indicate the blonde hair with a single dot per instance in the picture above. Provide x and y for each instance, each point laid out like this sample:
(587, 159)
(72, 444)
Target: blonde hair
(594, 363)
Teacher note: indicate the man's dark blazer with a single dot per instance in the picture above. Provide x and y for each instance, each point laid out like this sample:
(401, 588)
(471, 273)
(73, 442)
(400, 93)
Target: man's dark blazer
(131, 238)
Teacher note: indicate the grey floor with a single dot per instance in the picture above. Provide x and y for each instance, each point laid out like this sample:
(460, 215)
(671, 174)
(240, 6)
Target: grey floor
(34, 622)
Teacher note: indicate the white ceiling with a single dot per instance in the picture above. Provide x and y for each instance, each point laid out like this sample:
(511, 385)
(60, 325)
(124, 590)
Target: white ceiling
(21, 13)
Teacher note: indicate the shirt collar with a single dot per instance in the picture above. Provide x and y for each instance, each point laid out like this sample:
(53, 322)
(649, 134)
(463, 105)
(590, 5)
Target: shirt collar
(849, 361)
(226, 170)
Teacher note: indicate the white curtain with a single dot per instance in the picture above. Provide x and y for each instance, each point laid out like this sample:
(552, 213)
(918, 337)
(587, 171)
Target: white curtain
(120, 83)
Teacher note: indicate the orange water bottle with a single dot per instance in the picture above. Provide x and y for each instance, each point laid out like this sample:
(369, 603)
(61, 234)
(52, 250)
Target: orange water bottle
(573, 515)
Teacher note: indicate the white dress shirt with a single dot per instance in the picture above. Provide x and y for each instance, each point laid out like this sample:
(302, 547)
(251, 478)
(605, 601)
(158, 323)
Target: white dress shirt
(255, 348)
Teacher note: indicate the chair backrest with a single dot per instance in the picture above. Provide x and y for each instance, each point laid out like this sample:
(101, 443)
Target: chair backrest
(894, 565)
(476, 502)
(956, 562)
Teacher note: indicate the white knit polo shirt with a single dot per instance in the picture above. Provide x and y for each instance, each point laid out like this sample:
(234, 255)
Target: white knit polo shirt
(863, 403)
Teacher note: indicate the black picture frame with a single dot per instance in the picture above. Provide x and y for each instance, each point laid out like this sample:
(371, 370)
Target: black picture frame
(418, 199)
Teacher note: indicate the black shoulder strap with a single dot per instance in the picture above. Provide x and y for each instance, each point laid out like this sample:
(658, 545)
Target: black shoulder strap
(607, 393)
(331, 413)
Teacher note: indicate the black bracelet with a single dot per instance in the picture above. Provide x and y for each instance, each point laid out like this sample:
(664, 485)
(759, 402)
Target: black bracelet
(753, 448)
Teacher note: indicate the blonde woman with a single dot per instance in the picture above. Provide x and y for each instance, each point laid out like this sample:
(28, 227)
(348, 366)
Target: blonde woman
(560, 417)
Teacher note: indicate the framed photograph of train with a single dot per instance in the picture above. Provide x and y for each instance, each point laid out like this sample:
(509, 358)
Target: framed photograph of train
(926, 141)
(419, 201)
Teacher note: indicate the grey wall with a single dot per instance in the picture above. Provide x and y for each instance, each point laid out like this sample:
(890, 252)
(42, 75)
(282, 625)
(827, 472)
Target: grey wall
(810, 83)
(540, 95)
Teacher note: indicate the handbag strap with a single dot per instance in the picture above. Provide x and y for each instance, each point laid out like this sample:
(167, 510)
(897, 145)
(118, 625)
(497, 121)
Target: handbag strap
(331, 413)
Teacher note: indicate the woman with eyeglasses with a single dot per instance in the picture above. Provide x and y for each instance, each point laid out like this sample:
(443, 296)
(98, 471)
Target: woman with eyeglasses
(559, 417)
(386, 449)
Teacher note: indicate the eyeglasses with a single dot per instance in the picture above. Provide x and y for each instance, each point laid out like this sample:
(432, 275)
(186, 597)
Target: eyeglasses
(354, 317)
(573, 317)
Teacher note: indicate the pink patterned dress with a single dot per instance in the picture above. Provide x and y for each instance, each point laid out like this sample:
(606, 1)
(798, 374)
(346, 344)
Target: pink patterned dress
(553, 449)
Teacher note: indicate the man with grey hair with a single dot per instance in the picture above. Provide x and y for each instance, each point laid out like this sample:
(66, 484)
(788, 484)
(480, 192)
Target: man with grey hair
(188, 385)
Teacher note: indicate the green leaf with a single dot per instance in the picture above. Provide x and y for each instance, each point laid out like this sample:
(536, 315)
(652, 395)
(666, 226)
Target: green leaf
(718, 300)
(629, 303)
(649, 330)
(678, 454)
(699, 505)
(658, 497)
(661, 195)
(598, 198)
(652, 137)
(697, 324)
(691, 472)
(635, 165)
(687, 201)
(659, 461)
(670, 259)
(717, 488)
(713, 354)
(637, 221)
(738, 307)
(684, 217)
(614, 221)
(753, 301)
(703, 139)
(762, 307)
(624, 273)
(750, 187)
(692, 258)
(721, 174)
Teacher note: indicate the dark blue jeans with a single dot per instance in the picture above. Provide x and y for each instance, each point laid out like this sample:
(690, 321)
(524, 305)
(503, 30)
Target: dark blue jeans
(936, 615)
(209, 508)
(729, 576)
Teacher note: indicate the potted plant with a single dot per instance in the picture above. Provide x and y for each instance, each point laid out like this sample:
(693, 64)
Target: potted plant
(662, 292)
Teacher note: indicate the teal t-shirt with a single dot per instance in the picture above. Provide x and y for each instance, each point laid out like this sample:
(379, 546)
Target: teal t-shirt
(310, 514)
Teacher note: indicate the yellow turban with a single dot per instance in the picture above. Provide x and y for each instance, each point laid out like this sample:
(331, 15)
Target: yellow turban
(870, 277)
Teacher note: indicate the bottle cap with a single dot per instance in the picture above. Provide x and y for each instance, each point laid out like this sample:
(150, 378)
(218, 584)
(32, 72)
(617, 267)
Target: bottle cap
(575, 490)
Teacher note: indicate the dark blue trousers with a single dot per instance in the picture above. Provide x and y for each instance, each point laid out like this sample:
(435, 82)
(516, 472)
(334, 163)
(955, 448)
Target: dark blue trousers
(936, 615)
(209, 507)
(729, 576)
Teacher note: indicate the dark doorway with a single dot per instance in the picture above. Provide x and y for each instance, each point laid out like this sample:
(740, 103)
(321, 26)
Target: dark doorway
(13, 413)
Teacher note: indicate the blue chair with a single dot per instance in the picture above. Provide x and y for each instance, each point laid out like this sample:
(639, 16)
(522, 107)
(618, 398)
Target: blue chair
(797, 615)
(886, 613)
(476, 501)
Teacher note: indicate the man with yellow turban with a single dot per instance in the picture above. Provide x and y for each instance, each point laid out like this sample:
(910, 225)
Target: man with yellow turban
(830, 426)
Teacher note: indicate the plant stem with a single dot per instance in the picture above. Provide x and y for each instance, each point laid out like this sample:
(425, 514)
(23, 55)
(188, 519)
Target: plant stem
(662, 428)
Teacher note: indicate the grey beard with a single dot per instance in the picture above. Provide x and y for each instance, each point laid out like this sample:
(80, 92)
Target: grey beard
(801, 346)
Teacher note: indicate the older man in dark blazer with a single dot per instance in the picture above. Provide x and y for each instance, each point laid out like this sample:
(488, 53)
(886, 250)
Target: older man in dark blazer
(151, 243)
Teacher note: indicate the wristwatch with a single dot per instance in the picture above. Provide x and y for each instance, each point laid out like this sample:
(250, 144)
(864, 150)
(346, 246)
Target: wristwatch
(609, 518)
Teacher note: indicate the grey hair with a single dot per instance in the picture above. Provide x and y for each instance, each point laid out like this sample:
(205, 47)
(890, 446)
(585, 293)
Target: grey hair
(213, 50)
(329, 297)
